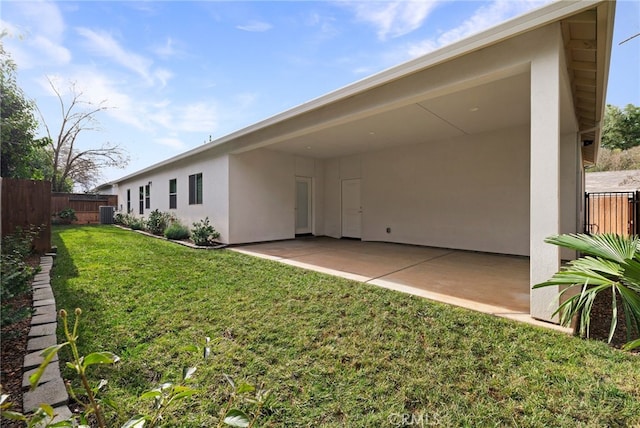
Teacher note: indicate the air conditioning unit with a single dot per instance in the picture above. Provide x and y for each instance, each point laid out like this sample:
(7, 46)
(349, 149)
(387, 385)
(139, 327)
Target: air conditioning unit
(106, 214)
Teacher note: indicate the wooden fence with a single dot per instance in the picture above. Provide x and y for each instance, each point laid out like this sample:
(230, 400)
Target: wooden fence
(612, 212)
(86, 206)
(25, 203)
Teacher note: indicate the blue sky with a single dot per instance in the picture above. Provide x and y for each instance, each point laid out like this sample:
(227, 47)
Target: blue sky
(174, 73)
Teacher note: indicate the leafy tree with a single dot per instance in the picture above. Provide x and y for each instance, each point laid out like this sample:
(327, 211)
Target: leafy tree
(17, 129)
(68, 164)
(621, 128)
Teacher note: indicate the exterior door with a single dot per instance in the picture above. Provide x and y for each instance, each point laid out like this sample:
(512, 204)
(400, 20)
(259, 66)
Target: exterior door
(303, 205)
(351, 209)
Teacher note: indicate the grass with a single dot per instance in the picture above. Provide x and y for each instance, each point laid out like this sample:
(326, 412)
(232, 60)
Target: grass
(334, 352)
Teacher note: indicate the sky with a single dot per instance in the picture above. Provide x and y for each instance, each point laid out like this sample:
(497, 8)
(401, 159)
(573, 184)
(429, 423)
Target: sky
(175, 74)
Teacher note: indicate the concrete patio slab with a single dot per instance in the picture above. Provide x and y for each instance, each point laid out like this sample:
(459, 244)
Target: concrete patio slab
(490, 283)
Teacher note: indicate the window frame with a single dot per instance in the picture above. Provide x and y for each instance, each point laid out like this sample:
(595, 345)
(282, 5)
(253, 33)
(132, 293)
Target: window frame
(128, 201)
(141, 207)
(173, 194)
(195, 189)
(147, 196)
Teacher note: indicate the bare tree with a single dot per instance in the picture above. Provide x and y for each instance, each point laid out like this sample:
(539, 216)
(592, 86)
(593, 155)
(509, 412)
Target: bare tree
(69, 164)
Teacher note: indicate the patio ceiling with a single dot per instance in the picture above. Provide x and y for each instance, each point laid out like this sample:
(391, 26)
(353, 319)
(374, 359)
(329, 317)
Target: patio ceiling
(500, 104)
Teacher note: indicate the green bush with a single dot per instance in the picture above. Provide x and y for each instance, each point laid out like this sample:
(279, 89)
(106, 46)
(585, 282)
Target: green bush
(68, 215)
(608, 262)
(177, 231)
(158, 222)
(119, 218)
(203, 233)
(15, 272)
(136, 223)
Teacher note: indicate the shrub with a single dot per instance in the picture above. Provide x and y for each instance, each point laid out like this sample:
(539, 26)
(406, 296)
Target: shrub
(158, 222)
(119, 218)
(68, 214)
(203, 233)
(608, 262)
(177, 231)
(15, 272)
(136, 223)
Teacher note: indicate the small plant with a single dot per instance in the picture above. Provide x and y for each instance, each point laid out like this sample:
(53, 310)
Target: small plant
(158, 222)
(177, 231)
(164, 396)
(119, 218)
(68, 215)
(610, 262)
(204, 233)
(136, 223)
(15, 272)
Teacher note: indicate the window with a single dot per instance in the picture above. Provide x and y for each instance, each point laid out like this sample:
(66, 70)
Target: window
(195, 189)
(128, 201)
(147, 196)
(141, 200)
(173, 193)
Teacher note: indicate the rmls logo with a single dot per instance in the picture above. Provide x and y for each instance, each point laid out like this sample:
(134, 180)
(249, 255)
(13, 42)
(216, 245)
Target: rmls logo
(413, 419)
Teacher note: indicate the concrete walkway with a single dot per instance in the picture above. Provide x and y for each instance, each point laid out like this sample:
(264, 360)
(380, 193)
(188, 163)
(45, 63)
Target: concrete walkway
(489, 283)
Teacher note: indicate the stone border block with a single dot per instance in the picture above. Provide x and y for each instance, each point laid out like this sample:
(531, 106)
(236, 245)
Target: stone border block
(53, 393)
(45, 302)
(40, 343)
(43, 330)
(34, 359)
(45, 309)
(52, 372)
(51, 317)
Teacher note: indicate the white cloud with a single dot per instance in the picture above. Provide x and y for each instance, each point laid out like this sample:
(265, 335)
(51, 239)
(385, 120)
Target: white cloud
(163, 76)
(255, 26)
(166, 50)
(172, 142)
(103, 44)
(484, 17)
(39, 28)
(324, 23)
(197, 117)
(96, 89)
(394, 18)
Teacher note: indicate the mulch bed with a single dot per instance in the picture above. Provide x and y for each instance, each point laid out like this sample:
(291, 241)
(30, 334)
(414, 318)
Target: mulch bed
(14, 348)
(601, 321)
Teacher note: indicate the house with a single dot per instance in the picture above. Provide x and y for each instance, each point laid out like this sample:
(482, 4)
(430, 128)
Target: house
(612, 181)
(480, 145)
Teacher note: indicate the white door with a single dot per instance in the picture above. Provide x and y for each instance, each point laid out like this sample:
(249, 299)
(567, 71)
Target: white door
(351, 209)
(303, 205)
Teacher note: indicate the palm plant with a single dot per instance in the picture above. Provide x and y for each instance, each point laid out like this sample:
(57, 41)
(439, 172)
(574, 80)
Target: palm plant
(608, 262)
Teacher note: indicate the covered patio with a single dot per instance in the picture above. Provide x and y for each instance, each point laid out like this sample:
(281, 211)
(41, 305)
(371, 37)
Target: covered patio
(490, 283)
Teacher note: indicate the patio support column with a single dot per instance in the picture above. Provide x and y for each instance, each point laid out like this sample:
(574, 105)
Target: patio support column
(545, 172)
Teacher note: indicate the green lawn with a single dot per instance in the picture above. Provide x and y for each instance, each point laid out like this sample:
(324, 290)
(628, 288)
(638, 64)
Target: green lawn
(334, 352)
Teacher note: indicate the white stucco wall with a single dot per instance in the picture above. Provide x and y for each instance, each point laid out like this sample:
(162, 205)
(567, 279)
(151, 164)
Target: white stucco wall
(467, 193)
(262, 195)
(215, 192)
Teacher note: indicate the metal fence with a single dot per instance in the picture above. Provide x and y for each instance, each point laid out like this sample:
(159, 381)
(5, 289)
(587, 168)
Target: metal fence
(612, 212)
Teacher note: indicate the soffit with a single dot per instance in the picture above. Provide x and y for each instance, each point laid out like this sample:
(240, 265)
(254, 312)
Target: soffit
(500, 104)
(587, 47)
